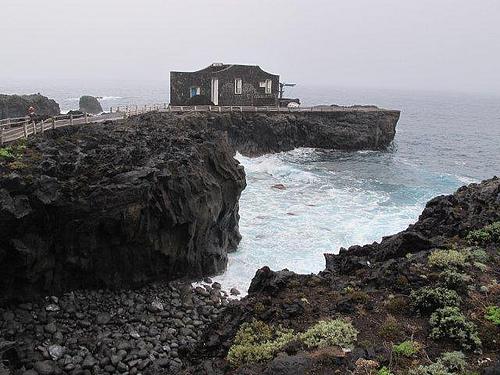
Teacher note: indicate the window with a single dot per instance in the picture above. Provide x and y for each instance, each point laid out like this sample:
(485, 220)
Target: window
(268, 86)
(193, 91)
(238, 86)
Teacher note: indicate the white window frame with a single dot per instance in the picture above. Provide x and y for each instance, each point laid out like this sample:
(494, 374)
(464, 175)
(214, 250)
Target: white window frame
(238, 86)
(269, 86)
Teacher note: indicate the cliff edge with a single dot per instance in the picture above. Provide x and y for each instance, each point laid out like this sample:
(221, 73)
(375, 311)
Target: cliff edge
(116, 205)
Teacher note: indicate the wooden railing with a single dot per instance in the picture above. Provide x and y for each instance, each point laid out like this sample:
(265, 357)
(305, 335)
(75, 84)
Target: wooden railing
(12, 129)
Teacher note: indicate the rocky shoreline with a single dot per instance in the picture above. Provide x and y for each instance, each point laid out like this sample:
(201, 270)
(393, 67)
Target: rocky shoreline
(425, 301)
(255, 134)
(145, 330)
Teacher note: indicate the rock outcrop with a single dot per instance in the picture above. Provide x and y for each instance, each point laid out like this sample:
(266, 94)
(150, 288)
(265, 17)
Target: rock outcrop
(90, 104)
(255, 134)
(444, 217)
(379, 289)
(17, 105)
(117, 204)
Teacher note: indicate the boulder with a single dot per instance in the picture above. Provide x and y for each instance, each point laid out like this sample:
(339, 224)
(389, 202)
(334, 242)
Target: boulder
(90, 104)
(117, 204)
(12, 106)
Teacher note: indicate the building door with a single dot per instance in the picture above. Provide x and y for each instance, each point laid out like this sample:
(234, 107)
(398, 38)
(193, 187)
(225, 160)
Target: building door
(215, 91)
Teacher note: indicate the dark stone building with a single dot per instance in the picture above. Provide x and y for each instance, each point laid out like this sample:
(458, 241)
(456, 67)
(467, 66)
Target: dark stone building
(223, 84)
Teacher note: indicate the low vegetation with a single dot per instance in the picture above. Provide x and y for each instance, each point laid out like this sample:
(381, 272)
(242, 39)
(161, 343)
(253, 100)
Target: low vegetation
(493, 314)
(428, 299)
(486, 235)
(446, 258)
(450, 324)
(448, 364)
(257, 341)
(336, 332)
(407, 348)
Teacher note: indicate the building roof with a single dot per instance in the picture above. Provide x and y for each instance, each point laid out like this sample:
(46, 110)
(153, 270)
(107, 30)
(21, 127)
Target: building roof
(220, 67)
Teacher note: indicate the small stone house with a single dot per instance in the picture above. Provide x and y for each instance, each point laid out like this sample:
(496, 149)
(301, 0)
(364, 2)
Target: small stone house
(225, 85)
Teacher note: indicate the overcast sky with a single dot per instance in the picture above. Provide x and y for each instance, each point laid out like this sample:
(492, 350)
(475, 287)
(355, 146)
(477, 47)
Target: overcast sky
(451, 45)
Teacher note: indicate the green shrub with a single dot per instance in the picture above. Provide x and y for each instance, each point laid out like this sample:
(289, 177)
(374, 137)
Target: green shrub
(326, 333)
(384, 371)
(256, 342)
(477, 254)
(432, 369)
(406, 348)
(454, 280)
(447, 258)
(493, 314)
(448, 364)
(428, 299)
(13, 152)
(453, 361)
(486, 235)
(450, 323)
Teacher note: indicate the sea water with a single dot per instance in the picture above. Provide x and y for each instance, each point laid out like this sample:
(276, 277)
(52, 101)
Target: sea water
(331, 198)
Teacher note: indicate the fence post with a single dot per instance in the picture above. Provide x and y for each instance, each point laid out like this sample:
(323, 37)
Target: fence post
(25, 126)
(42, 126)
(71, 119)
(34, 127)
(136, 109)
(53, 122)
(220, 109)
(86, 118)
(1, 136)
(110, 109)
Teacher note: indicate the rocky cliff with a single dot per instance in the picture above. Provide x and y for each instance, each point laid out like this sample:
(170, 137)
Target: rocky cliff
(444, 217)
(408, 305)
(254, 134)
(117, 204)
(17, 105)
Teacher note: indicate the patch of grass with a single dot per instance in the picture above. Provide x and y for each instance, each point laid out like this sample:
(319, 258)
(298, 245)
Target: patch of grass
(427, 299)
(13, 152)
(390, 328)
(397, 305)
(17, 165)
(358, 296)
(336, 332)
(493, 314)
(384, 371)
(407, 348)
(486, 235)
(257, 342)
(449, 323)
(447, 258)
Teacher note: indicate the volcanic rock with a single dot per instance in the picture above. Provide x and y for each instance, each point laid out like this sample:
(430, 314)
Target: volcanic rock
(18, 105)
(90, 104)
(255, 134)
(118, 204)
(470, 207)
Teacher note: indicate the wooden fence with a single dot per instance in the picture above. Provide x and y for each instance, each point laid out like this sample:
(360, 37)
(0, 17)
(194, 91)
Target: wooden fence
(12, 129)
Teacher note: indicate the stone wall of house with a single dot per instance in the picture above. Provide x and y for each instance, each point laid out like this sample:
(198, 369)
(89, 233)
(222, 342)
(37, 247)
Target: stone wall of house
(252, 93)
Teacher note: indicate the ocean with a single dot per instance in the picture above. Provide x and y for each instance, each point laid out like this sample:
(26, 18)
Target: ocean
(336, 199)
